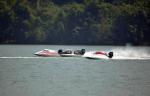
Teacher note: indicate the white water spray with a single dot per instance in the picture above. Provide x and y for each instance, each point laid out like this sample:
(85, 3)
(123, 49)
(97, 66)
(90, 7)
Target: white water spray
(131, 53)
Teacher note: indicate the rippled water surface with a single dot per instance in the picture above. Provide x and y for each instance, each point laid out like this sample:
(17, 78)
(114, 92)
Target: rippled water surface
(23, 74)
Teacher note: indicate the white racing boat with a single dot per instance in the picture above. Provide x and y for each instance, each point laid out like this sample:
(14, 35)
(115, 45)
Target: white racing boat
(60, 52)
(98, 55)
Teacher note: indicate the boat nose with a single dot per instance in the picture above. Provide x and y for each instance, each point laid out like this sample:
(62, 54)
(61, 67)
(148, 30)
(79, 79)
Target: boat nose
(36, 53)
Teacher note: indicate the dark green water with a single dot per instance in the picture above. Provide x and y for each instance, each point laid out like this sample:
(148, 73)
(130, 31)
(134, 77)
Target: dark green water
(64, 76)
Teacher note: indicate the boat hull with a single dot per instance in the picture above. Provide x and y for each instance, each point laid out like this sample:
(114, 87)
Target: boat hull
(96, 55)
(47, 53)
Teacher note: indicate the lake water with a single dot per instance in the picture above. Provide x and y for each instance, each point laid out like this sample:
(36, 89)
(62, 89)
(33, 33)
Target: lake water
(23, 74)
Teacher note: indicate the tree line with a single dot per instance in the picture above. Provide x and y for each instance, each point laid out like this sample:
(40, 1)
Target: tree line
(88, 22)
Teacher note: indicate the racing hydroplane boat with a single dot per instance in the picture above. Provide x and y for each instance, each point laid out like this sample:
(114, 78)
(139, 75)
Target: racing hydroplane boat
(60, 52)
(98, 55)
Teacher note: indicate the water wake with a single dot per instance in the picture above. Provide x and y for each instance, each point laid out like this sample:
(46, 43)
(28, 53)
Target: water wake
(131, 53)
(20, 57)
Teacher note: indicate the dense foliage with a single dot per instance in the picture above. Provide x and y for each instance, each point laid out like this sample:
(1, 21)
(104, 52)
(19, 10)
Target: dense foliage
(75, 22)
